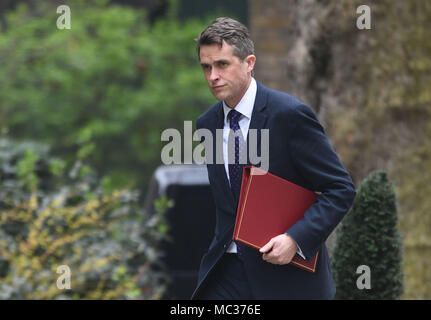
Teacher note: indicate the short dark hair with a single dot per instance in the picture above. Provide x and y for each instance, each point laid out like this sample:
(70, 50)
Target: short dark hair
(232, 32)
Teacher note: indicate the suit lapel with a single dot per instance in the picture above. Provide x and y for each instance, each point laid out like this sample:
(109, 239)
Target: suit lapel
(219, 167)
(258, 118)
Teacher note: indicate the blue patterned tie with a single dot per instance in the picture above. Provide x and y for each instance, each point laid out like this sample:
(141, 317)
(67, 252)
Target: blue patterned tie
(235, 174)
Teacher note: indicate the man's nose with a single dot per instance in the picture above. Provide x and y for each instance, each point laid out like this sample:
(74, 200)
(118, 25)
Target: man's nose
(214, 74)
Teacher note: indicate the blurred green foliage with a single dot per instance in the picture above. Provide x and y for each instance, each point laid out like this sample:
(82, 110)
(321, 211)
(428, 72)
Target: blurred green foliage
(108, 86)
(107, 241)
(368, 236)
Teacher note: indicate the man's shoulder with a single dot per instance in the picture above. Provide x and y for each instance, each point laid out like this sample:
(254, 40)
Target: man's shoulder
(284, 103)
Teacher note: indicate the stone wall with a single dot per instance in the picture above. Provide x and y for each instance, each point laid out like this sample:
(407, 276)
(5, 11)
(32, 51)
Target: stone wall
(292, 51)
(292, 54)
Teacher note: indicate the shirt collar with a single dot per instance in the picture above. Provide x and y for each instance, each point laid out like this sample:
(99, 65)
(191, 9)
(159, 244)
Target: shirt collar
(245, 106)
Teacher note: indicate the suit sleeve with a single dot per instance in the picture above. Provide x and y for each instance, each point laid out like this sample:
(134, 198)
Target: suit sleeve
(315, 160)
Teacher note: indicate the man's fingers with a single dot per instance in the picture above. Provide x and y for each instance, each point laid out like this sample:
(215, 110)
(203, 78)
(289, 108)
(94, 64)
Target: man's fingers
(267, 247)
(270, 257)
(275, 250)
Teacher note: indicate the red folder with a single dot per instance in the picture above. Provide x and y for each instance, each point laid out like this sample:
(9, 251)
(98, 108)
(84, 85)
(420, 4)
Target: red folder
(268, 206)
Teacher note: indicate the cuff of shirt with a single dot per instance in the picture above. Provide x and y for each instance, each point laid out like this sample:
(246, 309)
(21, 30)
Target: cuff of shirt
(300, 252)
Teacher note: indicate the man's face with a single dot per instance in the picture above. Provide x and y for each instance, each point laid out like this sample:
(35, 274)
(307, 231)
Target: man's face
(228, 77)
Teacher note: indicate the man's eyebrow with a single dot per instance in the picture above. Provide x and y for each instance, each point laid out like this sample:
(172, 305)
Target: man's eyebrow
(215, 62)
(221, 60)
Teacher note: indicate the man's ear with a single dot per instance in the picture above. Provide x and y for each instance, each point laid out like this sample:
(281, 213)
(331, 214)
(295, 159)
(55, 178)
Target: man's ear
(250, 60)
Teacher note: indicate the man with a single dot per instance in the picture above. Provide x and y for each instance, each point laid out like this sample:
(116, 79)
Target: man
(298, 151)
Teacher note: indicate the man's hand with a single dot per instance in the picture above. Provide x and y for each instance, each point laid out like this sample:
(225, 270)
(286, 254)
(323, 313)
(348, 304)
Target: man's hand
(279, 250)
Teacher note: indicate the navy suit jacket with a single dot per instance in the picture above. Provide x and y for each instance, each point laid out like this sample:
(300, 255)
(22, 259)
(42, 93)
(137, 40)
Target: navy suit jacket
(300, 152)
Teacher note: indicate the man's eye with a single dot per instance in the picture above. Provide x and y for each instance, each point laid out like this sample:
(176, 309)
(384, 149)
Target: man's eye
(223, 64)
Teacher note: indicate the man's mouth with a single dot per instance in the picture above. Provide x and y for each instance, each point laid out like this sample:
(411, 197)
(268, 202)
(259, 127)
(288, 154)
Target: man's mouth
(218, 87)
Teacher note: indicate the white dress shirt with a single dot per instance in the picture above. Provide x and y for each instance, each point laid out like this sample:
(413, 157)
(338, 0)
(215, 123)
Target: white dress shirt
(245, 107)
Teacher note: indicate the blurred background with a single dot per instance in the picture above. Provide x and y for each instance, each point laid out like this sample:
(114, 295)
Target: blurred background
(82, 111)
